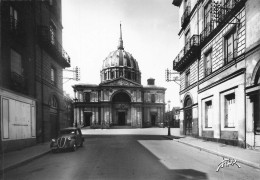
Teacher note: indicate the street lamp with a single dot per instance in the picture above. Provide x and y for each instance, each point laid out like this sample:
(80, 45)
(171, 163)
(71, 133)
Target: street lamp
(168, 118)
(75, 110)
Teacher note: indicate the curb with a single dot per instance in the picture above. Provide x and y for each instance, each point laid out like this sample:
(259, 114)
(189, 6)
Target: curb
(2, 171)
(251, 164)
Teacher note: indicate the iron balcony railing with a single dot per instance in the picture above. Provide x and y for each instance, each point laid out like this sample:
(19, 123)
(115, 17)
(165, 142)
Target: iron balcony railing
(185, 17)
(226, 9)
(48, 40)
(187, 52)
(220, 15)
(208, 28)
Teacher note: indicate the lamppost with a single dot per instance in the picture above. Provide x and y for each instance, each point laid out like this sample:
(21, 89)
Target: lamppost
(168, 118)
(75, 111)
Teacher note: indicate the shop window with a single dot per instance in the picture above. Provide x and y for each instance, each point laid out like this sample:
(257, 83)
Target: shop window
(208, 114)
(230, 110)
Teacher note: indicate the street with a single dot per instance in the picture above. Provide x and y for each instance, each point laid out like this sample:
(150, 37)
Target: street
(130, 157)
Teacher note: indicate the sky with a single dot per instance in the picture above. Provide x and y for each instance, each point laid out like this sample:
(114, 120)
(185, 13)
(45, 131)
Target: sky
(150, 33)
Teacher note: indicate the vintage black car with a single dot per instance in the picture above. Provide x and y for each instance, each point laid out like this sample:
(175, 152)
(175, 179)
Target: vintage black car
(69, 138)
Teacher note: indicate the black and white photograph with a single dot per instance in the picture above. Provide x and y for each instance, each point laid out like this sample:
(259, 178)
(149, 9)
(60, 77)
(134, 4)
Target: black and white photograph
(129, 89)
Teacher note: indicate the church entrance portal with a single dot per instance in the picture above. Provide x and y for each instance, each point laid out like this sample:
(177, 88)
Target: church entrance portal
(121, 118)
(120, 109)
(87, 118)
(153, 119)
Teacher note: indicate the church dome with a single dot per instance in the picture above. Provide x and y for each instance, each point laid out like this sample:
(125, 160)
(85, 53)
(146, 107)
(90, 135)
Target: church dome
(120, 63)
(120, 58)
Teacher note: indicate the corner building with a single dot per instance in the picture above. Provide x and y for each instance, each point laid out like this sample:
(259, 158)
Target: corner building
(32, 60)
(219, 69)
(120, 99)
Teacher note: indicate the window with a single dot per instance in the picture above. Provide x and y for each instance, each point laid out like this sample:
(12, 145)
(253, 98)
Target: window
(230, 110)
(16, 63)
(208, 25)
(208, 62)
(230, 46)
(112, 74)
(52, 33)
(53, 75)
(208, 114)
(207, 14)
(153, 98)
(13, 18)
(187, 79)
(87, 96)
(187, 37)
(53, 102)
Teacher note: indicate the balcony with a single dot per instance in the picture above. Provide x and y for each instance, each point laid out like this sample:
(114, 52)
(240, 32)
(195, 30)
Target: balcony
(229, 9)
(222, 14)
(52, 46)
(185, 19)
(190, 51)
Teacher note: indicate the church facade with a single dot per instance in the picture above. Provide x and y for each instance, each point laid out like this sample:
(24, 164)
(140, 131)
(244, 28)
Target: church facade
(120, 99)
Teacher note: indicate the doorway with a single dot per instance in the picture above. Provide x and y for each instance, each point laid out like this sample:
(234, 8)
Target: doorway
(153, 119)
(121, 118)
(188, 116)
(54, 125)
(257, 120)
(87, 118)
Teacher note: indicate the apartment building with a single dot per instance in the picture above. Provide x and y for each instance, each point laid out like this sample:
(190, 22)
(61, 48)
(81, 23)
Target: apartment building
(219, 70)
(31, 69)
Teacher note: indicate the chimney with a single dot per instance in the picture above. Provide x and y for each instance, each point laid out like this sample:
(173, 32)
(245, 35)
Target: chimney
(150, 81)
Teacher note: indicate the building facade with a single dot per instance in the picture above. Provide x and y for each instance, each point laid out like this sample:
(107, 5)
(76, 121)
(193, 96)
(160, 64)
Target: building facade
(219, 70)
(31, 70)
(120, 99)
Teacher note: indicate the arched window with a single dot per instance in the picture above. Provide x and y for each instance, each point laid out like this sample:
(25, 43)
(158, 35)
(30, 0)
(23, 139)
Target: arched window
(187, 102)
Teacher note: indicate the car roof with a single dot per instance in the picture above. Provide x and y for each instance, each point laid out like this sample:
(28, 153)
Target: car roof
(70, 128)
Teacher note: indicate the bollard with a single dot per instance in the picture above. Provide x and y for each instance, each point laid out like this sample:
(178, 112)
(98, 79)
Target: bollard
(169, 131)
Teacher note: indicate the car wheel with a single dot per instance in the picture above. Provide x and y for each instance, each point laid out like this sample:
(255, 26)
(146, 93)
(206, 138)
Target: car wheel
(74, 147)
(81, 144)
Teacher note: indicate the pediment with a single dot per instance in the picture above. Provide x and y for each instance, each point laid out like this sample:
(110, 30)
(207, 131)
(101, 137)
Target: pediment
(121, 82)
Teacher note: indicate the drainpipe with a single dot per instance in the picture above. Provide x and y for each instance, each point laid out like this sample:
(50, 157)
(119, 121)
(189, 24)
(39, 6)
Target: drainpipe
(198, 74)
(245, 102)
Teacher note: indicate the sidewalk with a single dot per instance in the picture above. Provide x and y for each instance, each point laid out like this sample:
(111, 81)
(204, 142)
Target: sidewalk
(244, 156)
(16, 158)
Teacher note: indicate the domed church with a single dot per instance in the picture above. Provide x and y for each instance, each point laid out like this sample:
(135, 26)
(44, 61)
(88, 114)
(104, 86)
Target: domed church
(120, 99)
